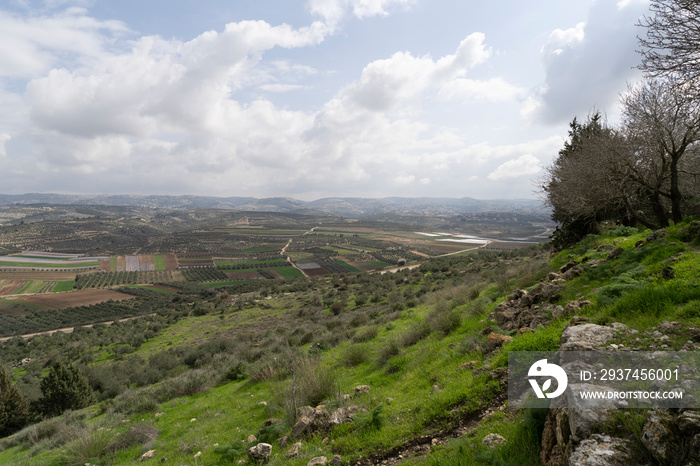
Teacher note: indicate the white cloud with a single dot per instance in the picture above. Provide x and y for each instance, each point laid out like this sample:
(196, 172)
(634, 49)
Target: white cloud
(389, 83)
(332, 11)
(4, 137)
(588, 65)
(31, 46)
(493, 90)
(524, 165)
(281, 87)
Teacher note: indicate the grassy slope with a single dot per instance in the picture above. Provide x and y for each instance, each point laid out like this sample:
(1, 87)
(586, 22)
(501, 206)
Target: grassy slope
(631, 290)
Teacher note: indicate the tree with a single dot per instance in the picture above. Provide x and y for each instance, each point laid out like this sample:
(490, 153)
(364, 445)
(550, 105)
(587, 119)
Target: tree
(663, 125)
(672, 40)
(576, 185)
(14, 412)
(63, 388)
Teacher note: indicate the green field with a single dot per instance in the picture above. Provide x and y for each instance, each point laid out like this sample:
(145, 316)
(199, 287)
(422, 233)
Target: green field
(252, 264)
(159, 261)
(40, 265)
(288, 272)
(63, 285)
(347, 266)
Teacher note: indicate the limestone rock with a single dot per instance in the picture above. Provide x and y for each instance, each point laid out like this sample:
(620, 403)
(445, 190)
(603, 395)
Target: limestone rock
(293, 450)
(496, 340)
(493, 441)
(318, 461)
(615, 253)
(585, 337)
(336, 460)
(148, 455)
(656, 434)
(260, 453)
(603, 450)
(361, 390)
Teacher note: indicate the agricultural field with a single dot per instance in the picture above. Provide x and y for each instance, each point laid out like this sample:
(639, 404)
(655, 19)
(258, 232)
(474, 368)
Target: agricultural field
(35, 260)
(71, 298)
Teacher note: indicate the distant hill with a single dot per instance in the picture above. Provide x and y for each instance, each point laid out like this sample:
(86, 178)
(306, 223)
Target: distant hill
(350, 206)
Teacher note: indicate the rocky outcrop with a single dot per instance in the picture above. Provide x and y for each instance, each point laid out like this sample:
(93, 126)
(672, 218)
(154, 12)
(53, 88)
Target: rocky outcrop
(319, 419)
(260, 453)
(575, 433)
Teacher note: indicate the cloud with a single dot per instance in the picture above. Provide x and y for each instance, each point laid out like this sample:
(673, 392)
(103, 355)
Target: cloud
(494, 90)
(402, 78)
(281, 87)
(160, 85)
(524, 165)
(31, 46)
(4, 137)
(588, 65)
(332, 11)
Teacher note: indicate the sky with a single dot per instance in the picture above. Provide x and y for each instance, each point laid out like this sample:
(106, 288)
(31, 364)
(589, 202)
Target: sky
(303, 98)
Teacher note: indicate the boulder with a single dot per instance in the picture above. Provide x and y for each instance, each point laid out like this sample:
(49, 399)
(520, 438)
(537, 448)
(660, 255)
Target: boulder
(572, 273)
(493, 441)
(260, 453)
(293, 450)
(657, 434)
(361, 390)
(318, 461)
(336, 460)
(585, 337)
(615, 253)
(603, 450)
(496, 340)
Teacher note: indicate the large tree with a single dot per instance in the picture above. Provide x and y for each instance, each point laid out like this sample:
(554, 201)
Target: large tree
(670, 46)
(662, 124)
(13, 408)
(63, 388)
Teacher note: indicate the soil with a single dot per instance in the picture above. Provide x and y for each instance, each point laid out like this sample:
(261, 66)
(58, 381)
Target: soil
(73, 298)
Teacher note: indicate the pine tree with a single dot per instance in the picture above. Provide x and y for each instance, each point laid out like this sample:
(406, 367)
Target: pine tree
(13, 407)
(63, 388)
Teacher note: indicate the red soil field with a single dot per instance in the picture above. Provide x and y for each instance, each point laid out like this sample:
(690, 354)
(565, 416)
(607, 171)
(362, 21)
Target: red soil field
(170, 261)
(73, 298)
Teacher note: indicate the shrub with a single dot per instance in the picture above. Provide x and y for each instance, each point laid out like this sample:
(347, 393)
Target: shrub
(415, 333)
(86, 447)
(443, 318)
(63, 388)
(390, 349)
(366, 334)
(14, 412)
(355, 355)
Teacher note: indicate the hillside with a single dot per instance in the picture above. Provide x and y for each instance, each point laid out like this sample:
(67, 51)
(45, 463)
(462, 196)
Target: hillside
(409, 367)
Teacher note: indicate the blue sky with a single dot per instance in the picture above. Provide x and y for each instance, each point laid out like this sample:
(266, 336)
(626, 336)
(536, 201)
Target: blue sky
(306, 99)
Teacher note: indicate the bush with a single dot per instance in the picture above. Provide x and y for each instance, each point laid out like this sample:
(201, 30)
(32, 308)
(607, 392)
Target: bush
(443, 318)
(355, 355)
(390, 349)
(63, 388)
(415, 333)
(366, 334)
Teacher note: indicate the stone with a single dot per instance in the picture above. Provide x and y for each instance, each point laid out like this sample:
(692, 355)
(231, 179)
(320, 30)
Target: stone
(250, 439)
(585, 337)
(603, 450)
(361, 390)
(615, 253)
(293, 450)
(656, 434)
(148, 455)
(569, 265)
(318, 461)
(667, 326)
(336, 460)
(653, 236)
(496, 340)
(605, 247)
(468, 365)
(553, 276)
(493, 441)
(260, 453)
(689, 423)
(524, 330)
(572, 273)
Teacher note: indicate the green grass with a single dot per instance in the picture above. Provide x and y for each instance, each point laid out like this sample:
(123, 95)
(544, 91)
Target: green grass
(347, 266)
(159, 261)
(113, 263)
(288, 272)
(63, 285)
(39, 265)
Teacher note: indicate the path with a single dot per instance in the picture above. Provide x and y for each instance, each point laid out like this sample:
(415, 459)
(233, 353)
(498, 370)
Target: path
(289, 259)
